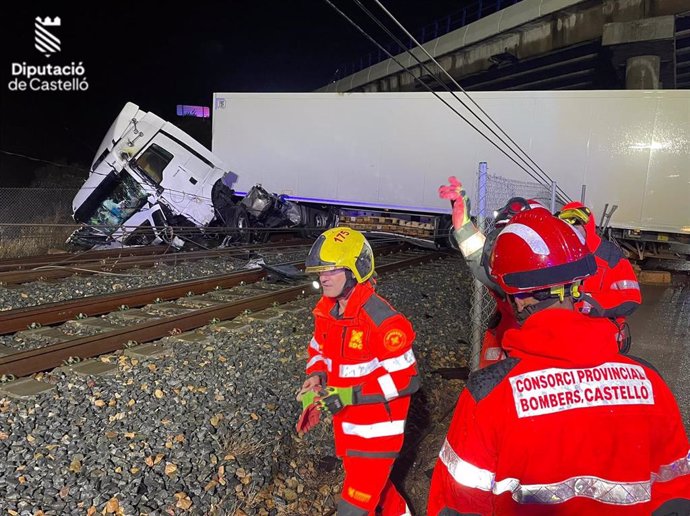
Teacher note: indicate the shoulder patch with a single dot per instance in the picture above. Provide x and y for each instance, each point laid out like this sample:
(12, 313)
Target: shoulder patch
(483, 381)
(394, 339)
(609, 252)
(378, 310)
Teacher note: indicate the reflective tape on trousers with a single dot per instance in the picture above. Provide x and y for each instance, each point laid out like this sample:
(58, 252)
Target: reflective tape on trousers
(599, 489)
(391, 365)
(385, 429)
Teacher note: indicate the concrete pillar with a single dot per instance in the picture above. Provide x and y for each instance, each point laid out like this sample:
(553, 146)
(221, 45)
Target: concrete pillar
(644, 50)
(642, 73)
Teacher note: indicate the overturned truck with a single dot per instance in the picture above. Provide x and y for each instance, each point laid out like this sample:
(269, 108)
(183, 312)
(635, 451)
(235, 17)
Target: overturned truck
(152, 183)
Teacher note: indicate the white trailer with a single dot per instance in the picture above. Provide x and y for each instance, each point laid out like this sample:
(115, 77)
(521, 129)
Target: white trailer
(391, 151)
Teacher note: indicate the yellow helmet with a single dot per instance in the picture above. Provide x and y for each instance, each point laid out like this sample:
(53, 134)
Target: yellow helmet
(342, 247)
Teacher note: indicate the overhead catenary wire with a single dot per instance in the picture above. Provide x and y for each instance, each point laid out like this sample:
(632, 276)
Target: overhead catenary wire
(535, 174)
(538, 171)
(445, 72)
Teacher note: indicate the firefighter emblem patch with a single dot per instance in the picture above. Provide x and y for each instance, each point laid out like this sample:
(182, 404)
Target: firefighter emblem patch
(356, 340)
(394, 340)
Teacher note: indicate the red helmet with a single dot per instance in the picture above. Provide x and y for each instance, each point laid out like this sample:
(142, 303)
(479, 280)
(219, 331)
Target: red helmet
(577, 213)
(535, 251)
(513, 206)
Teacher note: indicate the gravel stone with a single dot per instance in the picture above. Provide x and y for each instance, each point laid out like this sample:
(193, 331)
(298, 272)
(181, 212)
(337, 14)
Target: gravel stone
(214, 422)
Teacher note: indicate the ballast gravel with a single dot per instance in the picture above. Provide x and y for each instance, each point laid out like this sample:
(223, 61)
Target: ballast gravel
(209, 427)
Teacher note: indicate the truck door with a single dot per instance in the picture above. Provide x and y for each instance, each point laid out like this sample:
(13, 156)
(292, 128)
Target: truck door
(202, 172)
(164, 161)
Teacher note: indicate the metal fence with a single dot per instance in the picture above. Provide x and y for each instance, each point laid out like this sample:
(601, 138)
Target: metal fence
(492, 193)
(33, 220)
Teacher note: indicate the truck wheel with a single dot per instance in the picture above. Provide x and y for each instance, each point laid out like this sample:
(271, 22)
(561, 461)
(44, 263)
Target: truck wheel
(238, 224)
(317, 222)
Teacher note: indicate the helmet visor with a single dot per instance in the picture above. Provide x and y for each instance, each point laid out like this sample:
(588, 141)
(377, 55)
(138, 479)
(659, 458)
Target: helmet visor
(575, 216)
(314, 263)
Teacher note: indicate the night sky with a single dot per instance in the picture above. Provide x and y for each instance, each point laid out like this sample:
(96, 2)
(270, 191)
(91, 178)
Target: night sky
(158, 56)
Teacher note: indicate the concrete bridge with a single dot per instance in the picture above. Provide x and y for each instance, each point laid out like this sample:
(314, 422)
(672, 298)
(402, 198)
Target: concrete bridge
(550, 44)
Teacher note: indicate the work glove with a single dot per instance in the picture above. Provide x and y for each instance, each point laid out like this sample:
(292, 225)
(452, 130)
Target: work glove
(308, 419)
(457, 196)
(310, 410)
(336, 399)
(310, 384)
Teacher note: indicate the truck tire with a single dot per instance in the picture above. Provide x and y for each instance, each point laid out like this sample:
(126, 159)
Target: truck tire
(237, 222)
(318, 221)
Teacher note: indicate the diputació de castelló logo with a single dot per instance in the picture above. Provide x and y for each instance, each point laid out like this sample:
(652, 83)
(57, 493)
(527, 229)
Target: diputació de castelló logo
(45, 40)
(47, 77)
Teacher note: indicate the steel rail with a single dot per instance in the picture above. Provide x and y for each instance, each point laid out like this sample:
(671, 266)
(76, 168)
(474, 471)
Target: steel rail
(8, 264)
(64, 270)
(53, 313)
(33, 361)
(28, 262)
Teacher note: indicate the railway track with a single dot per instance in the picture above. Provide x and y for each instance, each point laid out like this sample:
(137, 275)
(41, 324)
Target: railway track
(54, 313)
(52, 267)
(190, 313)
(205, 401)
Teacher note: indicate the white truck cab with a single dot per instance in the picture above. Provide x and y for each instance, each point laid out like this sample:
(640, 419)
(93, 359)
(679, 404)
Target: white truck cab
(146, 173)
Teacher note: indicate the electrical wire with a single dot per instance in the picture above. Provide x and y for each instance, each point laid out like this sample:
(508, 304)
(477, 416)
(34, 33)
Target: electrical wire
(542, 176)
(419, 45)
(536, 175)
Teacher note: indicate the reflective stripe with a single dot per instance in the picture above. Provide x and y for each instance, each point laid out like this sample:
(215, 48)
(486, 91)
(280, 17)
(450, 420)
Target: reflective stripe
(314, 344)
(579, 235)
(472, 244)
(625, 285)
(674, 470)
(388, 387)
(359, 370)
(399, 363)
(371, 454)
(598, 489)
(463, 472)
(385, 429)
(320, 358)
(390, 364)
(529, 236)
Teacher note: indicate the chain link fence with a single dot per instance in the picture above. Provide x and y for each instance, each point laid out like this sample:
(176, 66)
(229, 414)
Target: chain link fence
(33, 220)
(493, 193)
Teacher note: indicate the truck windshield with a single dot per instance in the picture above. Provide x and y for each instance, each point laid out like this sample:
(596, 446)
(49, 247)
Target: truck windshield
(152, 161)
(124, 200)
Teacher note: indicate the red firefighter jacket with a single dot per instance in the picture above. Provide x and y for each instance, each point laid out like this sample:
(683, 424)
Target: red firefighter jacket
(565, 426)
(613, 291)
(369, 348)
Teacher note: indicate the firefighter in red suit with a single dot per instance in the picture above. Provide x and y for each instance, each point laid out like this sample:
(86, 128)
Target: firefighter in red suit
(613, 291)
(362, 365)
(566, 425)
(476, 248)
